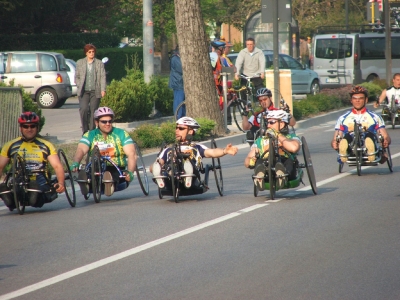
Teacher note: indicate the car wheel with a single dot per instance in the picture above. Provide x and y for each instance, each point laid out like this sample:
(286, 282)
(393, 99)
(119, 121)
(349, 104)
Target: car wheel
(315, 87)
(47, 98)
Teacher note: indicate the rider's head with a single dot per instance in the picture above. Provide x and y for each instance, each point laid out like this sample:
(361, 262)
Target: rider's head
(396, 80)
(218, 46)
(278, 120)
(264, 96)
(359, 97)
(103, 118)
(29, 125)
(185, 126)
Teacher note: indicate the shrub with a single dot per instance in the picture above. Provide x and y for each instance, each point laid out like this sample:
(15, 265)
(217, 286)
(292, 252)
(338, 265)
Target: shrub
(161, 95)
(381, 83)
(167, 130)
(147, 136)
(374, 90)
(205, 130)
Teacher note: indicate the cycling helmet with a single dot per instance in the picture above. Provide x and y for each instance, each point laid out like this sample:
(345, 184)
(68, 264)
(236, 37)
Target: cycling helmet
(264, 92)
(103, 111)
(28, 117)
(188, 122)
(279, 115)
(218, 45)
(358, 89)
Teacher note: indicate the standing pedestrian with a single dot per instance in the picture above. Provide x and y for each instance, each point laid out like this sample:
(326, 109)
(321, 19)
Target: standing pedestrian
(90, 79)
(304, 52)
(251, 61)
(176, 82)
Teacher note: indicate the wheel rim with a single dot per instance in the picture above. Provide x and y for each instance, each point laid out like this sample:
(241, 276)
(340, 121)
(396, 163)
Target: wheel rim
(315, 88)
(141, 172)
(46, 98)
(69, 183)
(310, 167)
(19, 179)
(217, 171)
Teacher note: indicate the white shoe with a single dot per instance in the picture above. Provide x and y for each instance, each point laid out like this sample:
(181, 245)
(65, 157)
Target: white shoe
(187, 166)
(157, 172)
(108, 184)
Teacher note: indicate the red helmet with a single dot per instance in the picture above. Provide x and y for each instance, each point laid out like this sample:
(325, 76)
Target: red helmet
(358, 89)
(28, 117)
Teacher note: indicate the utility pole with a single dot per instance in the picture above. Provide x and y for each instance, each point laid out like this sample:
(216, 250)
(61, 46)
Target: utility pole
(346, 8)
(388, 43)
(275, 37)
(148, 40)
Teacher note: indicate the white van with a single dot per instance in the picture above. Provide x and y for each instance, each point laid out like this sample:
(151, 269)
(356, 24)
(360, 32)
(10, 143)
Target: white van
(42, 74)
(352, 58)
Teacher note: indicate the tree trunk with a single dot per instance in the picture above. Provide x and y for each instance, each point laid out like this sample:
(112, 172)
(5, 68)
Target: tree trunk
(200, 91)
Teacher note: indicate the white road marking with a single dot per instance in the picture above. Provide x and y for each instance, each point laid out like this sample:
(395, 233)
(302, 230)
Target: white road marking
(135, 250)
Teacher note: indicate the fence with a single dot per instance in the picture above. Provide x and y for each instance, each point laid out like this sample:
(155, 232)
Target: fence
(11, 107)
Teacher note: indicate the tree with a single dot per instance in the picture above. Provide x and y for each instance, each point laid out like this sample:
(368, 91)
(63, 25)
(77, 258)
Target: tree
(201, 95)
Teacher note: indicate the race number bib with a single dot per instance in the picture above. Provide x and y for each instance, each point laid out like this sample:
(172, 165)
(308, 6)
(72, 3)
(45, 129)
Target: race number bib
(106, 149)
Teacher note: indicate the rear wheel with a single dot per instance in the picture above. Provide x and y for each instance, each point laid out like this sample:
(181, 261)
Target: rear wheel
(181, 105)
(217, 171)
(96, 174)
(69, 181)
(19, 182)
(237, 111)
(47, 98)
(141, 172)
(271, 173)
(309, 165)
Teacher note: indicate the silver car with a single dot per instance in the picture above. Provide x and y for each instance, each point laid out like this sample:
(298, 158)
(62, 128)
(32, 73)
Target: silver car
(304, 80)
(71, 67)
(42, 74)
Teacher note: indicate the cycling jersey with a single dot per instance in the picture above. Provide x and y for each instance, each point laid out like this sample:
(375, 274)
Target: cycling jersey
(393, 93)
(369, 120)
(262, 142)
(112, 146)
(35, 152)
(196, 153)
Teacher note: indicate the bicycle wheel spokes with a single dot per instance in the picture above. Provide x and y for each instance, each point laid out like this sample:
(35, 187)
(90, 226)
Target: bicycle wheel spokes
(141, 172)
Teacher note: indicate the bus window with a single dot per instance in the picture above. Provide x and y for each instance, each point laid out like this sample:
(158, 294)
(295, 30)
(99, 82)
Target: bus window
(333, 48)
(396, 47)
(372, 48)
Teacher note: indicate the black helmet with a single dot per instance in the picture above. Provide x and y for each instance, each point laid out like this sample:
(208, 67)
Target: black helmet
(264, 92)
(218, 45)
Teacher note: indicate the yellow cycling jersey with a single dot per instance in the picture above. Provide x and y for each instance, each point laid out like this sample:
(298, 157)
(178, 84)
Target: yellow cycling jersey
(35, 153)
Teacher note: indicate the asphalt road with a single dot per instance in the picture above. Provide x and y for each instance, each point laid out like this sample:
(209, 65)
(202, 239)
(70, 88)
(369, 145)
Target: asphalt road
(340, 244)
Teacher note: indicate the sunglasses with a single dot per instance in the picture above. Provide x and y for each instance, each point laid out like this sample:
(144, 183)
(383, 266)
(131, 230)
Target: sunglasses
(90, 51)
(106, 121)
(272, 122)
(29, 126)
(180, 128)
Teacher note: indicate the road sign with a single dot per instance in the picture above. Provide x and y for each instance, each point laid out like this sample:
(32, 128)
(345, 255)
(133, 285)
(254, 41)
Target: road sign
(372, 11)
(284, 11)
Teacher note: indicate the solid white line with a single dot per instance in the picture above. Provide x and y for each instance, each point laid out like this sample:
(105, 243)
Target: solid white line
(122, 255)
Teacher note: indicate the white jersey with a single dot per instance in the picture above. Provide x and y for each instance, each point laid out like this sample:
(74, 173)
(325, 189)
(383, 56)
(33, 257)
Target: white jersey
(393, 93)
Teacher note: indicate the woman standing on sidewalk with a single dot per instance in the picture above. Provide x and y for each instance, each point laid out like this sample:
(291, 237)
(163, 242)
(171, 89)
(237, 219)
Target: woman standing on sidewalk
(90, 79)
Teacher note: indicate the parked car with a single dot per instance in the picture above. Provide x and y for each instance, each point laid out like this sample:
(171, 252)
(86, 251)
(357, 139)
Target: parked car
(304, 80)
(42, 74)
(71, 68)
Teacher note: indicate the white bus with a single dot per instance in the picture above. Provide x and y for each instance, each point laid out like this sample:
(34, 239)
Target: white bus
(352, 58)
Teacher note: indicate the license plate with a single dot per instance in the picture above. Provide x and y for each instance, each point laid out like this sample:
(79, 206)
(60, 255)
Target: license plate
(332, 80)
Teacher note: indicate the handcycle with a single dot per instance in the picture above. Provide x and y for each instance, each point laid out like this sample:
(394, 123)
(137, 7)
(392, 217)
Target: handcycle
(390, 112)
(358, 155)
(174, 175)
(95, 167)
(19, 177)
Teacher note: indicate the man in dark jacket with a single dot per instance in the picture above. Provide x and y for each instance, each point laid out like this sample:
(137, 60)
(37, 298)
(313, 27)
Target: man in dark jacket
(176, 83)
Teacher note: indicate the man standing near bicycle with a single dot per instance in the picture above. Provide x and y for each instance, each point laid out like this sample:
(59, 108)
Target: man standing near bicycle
(37, 153)
(90, 79)
(112, 142)
(251, 61)
(371, 122)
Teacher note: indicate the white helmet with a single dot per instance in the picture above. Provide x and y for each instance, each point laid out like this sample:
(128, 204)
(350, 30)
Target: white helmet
(279, 115)
(188, 122)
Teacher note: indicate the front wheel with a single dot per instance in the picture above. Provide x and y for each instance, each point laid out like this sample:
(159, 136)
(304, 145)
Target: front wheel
(271, 165)
(96, 174)
(315, 88)
(141, 172)
(69, 180)
(47, 98)
(19, 182)
(217, 171)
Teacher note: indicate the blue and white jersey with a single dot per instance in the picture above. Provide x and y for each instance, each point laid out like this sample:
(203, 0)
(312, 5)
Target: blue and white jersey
(369, 120)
